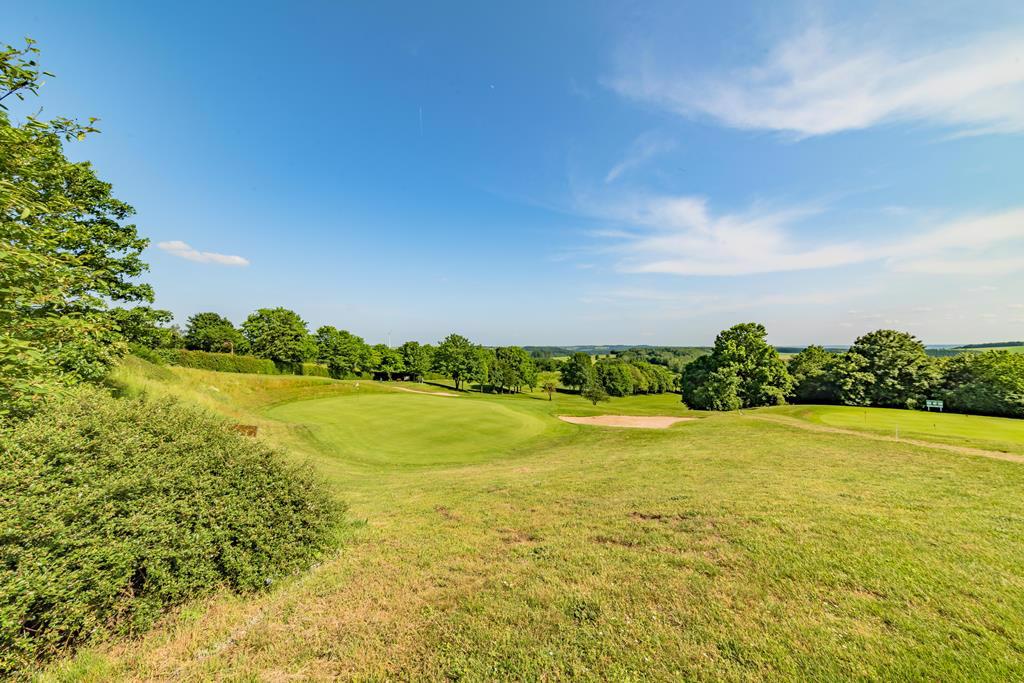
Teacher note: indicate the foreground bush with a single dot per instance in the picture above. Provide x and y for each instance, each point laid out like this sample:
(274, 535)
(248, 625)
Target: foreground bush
(115, 509)
(221, 362)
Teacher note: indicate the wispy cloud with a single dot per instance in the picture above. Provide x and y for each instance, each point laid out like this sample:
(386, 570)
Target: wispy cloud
(681, 236)
(185, 251)
(823, 81)
(643, 149)
(666, 303)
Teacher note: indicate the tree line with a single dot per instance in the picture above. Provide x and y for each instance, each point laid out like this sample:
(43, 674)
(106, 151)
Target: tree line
(884, 368)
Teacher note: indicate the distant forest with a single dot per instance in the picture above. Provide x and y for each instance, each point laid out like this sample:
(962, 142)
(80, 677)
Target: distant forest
(991, 345)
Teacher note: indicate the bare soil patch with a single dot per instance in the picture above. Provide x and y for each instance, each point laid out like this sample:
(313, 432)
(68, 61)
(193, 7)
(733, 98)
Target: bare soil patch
(632, 421)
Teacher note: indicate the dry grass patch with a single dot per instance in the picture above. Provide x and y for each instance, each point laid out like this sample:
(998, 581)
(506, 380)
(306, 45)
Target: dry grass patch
(631, 421)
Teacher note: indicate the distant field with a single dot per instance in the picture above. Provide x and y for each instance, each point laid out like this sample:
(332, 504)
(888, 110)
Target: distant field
(975, 431)
(1014, 349)
(503, 544)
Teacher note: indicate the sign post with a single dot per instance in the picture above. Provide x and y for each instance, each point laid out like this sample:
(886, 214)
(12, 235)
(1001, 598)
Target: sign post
(929, 404)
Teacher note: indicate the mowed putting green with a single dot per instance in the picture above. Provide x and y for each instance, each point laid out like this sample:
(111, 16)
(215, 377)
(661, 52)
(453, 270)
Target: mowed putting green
(410, 429)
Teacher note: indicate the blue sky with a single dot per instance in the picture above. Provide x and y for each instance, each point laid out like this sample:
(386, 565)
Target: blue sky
(563, 173)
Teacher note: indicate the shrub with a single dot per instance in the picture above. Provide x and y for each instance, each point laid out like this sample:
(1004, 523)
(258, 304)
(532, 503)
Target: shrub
(312, 370)
(221, 362)
(147, 354)
(115, 509)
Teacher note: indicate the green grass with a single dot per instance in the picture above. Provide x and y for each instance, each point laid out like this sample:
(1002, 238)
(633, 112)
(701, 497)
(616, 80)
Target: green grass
(727, 548)
(976, 431)
(412, 430)
(1014, 349)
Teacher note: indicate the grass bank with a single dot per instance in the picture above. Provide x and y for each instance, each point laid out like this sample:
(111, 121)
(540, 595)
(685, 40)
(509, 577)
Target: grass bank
(724, 548)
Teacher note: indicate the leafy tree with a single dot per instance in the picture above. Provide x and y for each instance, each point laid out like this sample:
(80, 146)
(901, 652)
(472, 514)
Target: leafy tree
(550, 387)
(146, 327)
(813, 372)
(389, 361)
(853, 381)
(720, 390)
(988, 383)
(416, 358)
(742, 371)
(594, 392)
(615, 377)
(513, 368)
(900, 369)
(577, 370)
(692, 380)
(483, 360)
(501, 374)
(213, 332)
(762, 375)
(458, 358)
(66, 250)
(278, 334)
(342, 352)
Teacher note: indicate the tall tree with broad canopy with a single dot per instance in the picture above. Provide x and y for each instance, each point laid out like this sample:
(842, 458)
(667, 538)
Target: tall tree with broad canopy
(66, 250)
(458, 358)
(390, 362)
(416, 358)
(343, 353)
(278, 334)
(813, 371)
(615, 377)
(577, 370)
(742, 371)
(900, 371)
(513, 369)
(213, 332)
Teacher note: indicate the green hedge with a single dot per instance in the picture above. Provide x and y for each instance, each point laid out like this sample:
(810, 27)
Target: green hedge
(312, 370)
(116, 509)
(221, 362)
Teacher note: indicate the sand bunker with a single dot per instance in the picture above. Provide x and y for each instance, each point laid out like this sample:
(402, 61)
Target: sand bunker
(634, 421)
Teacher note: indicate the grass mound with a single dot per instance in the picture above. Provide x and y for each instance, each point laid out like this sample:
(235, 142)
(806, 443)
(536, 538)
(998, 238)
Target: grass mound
(411, 429)
(115, 509)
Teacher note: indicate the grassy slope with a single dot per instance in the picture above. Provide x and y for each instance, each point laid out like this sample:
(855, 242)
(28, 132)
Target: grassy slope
(990, 433)
(726, 548)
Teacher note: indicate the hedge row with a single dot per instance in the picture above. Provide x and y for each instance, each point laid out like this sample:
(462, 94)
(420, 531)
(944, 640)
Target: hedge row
(116, 509)
(308, 369)
(221, 362)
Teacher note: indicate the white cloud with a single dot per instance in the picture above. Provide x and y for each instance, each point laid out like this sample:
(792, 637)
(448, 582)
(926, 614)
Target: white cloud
(668, 304)
(681, 236)
(644, 148)
(824, 81)
(183, 250)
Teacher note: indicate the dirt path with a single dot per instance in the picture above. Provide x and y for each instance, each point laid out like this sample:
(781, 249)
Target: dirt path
(426, 393)
(633, 421)
(811, 427)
